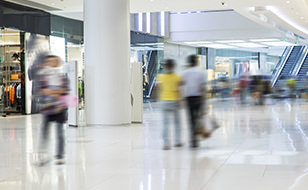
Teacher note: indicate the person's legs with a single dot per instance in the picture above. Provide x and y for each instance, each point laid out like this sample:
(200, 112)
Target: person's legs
(43, 157)
(166, 135)
(197, 114)
(177, 123)
(193, 112)
(44, 134)
(60, 141)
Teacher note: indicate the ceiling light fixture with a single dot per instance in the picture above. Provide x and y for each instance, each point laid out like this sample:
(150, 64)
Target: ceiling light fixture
(230, 41)
(197, 42)
(249, 45)
(265, 40)
(278, 44)
(218, 46)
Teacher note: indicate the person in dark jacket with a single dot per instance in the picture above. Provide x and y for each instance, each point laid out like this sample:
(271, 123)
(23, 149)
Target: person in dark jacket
(53, 86)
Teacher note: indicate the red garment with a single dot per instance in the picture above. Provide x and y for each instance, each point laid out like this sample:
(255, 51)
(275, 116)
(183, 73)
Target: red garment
(243, 84)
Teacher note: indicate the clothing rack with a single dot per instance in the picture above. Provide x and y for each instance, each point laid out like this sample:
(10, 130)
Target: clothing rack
(10, 86)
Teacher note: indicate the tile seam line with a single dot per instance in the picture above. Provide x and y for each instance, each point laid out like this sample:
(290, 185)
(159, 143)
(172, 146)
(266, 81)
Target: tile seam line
(214, 174)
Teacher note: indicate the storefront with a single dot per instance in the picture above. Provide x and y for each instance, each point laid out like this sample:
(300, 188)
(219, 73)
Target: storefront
(12, 72)
(231, 64)
(26, 34)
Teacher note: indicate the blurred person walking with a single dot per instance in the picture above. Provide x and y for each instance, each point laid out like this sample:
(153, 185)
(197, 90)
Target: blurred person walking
(169, 85)
(54, 85)
(292, 84)
(194, 81)
(243, 89)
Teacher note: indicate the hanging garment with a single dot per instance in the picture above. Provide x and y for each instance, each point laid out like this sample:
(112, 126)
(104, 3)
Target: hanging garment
(1, 92)
(6, 96)
(12, 94)
(80, 90)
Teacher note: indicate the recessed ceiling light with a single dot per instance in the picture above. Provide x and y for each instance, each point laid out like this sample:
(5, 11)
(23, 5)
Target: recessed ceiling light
(198, 42)
(230, 41)
(281, 44)
(288, 2)
(249, 45)
(265, 40)
(218, 46)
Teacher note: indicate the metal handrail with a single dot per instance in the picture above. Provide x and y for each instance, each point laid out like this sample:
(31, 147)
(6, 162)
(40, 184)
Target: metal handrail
(153, 78)
(281, 66)
(152, 86)
(303, 60)
(278, 65)
(148, 61)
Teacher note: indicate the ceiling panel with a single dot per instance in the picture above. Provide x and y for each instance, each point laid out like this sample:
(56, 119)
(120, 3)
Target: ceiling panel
(293, 12)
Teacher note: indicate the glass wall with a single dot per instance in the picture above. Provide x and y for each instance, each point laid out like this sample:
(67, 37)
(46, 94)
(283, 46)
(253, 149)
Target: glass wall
(231, 63)
(66, 41)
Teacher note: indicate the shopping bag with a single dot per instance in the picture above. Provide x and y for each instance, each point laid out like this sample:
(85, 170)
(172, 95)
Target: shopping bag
(71, 101)
(208, 125)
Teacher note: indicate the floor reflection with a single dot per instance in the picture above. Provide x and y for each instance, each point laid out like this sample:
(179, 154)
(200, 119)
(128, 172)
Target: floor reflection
(257, 147)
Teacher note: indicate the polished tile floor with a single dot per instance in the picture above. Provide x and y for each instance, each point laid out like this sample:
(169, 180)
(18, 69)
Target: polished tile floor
(257, 148)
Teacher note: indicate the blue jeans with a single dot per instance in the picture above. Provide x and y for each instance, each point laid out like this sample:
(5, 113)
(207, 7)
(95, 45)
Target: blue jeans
(171, 108)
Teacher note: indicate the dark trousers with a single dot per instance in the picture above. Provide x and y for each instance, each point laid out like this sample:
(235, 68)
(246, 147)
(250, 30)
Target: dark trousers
(195, 111)
(60, 132)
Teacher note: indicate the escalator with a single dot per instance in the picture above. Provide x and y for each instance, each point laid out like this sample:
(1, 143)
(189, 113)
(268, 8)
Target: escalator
(150, 72)
(302, 72)
(291, 59)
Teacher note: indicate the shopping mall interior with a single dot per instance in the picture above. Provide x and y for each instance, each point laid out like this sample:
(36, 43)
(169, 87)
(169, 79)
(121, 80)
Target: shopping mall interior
(118, 130)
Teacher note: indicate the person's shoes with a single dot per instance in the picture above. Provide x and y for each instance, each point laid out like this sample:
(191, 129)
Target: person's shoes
(166, 147)
(60, 161)
(178, 145)
(42, 163)
(42, 160)
(194, 145)
(206, 135)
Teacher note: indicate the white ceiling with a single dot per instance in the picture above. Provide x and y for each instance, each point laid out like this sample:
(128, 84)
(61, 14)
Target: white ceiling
(291, 15)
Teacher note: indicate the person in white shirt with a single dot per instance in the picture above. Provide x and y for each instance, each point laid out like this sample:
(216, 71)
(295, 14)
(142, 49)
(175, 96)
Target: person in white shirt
(194, 89)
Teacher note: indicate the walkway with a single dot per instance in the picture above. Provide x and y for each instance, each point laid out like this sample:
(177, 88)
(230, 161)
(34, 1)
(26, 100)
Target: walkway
(258, 148)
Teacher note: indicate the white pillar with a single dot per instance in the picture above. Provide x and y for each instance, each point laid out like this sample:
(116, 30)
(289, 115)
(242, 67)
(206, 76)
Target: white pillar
(107, 73)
